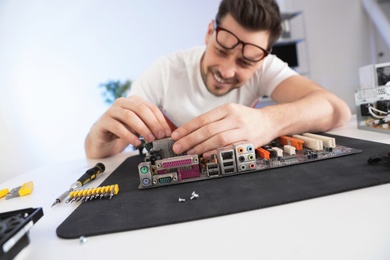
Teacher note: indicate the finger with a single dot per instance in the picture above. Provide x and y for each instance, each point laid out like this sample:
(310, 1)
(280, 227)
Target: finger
(153, 118)
(128, 119)
(145, 118)
(199, 136)
(116, 129)
(222, 139)
(198, 122)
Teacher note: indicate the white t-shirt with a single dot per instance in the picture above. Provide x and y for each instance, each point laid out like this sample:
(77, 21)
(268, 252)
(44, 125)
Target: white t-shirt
(174, 84)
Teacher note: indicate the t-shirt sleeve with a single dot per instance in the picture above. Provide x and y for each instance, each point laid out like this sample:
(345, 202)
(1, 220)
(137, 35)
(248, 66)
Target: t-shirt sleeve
(273, 72)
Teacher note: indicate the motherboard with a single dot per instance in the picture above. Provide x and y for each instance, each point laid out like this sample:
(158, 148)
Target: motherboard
(162, 167)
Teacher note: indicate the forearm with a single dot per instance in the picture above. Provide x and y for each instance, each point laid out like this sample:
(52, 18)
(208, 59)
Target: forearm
(317, 111)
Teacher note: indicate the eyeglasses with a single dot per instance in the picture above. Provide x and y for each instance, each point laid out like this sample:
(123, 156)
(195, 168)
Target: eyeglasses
(229, 41)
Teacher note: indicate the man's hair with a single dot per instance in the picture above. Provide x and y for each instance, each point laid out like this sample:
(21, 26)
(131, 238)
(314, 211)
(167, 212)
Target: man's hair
(256, 15)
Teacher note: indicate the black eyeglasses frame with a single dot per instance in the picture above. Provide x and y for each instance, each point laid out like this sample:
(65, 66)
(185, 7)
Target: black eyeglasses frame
(239, 41)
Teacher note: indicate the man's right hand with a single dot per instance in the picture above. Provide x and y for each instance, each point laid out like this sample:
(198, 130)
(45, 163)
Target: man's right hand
(122, 124)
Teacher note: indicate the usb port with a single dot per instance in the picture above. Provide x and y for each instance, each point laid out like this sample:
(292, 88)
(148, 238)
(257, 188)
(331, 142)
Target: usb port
(230, 170)
(227, 164)
(212, 166)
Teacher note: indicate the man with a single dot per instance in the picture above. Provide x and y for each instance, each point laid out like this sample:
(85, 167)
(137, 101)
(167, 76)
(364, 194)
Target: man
(209, 92)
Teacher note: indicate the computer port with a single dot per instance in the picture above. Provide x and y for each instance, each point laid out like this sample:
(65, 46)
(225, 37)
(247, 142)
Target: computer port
(212, 169)
(228, 164)
(241, 158)
(145, 174)
(146, 182)
(249, 148)
(164, 179)
(211, 166)
(178, 161)
(227, 155)
(246, 166)
(144, 169)
(231, 170)
(240, 150)
(251, 157)
(212, 173)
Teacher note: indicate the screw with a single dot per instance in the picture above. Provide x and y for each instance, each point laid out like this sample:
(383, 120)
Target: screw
(83, 240)
(181, 200)
(194, 195)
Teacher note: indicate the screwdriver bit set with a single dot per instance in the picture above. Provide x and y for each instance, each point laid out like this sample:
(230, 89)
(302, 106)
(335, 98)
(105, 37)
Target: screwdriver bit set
(87, 177)
(93, 193)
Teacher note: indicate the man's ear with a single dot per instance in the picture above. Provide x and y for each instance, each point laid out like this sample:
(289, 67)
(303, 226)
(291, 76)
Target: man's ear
(210, 30)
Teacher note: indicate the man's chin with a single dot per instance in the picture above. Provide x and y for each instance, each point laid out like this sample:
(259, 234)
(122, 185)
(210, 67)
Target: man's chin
(218, 92)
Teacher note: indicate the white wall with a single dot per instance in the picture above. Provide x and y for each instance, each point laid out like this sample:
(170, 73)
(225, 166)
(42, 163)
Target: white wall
(381, 51)
(54, 54)
(338, 43)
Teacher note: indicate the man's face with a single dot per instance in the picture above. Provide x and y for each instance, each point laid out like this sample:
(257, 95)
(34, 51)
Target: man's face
(224, 70)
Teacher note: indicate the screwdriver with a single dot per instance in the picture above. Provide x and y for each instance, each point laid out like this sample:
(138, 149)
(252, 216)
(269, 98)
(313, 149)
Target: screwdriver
(88, 176)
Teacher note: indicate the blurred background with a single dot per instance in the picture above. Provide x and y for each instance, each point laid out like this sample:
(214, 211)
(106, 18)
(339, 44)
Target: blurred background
(55, 54)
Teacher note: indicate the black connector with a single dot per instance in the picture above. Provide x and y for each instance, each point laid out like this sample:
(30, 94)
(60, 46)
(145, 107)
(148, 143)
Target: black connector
(364, 109)
(383, 105)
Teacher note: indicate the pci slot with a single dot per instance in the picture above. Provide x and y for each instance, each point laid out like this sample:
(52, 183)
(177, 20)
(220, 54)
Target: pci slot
(312, 143)
(327, 141)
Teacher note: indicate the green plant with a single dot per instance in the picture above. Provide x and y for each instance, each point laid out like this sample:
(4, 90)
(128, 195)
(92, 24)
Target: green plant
(115, 89)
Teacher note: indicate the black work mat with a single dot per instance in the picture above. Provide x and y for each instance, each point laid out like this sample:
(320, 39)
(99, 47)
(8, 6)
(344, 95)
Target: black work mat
(133, 209)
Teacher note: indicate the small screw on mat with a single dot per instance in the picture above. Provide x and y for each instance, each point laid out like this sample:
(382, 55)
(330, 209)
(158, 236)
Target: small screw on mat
(194, 195)
(181, 200)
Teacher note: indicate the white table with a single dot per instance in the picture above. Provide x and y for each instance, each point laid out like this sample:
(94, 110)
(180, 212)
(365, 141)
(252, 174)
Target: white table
(349, 225)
